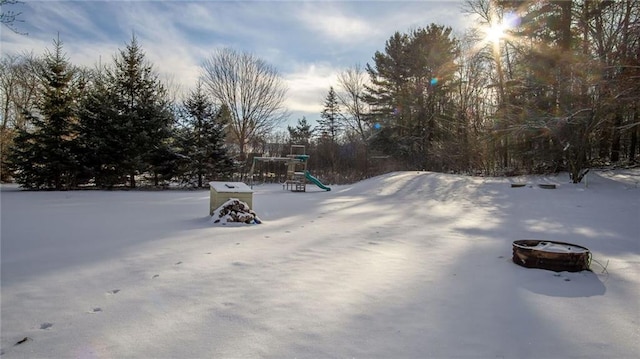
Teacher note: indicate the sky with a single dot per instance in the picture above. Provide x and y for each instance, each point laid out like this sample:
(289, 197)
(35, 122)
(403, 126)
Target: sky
(403, 265)
(308, 42)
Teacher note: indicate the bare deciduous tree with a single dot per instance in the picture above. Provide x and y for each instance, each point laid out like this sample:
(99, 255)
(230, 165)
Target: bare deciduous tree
(8, 18)
(253, 91)
(351, 89)
(18, 93)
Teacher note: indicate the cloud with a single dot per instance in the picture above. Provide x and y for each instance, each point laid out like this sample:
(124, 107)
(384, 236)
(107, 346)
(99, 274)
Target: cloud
(309, 42)
(309, 85)
(332, 24)
(368, 22)
(72, 20)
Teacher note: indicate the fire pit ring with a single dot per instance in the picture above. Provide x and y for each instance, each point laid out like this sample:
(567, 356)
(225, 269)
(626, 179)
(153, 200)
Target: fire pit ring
(551, 255)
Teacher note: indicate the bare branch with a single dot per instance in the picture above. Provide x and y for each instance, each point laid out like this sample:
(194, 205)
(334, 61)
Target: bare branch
(253, 91)
(8, 18)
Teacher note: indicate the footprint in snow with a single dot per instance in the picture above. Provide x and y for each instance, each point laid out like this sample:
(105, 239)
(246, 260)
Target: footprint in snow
(23, 340)
(560, 275)
(46, 325)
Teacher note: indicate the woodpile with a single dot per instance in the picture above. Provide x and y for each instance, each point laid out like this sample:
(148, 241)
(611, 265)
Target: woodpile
(235, 211)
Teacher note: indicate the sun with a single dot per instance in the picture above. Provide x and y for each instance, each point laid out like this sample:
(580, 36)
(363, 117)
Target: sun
(499, 30)
(495, 32)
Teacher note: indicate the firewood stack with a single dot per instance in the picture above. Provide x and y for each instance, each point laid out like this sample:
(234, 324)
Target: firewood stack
(235, 211)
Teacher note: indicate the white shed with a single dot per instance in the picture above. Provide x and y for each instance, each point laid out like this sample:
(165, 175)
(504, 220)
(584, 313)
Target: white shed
(223, 191)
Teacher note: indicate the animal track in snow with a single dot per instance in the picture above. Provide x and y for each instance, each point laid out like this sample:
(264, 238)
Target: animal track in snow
(23, 340)
(566, 279)
(155, 276)
(95, 310)
(178, 263)
(114, 291)
(46, 325)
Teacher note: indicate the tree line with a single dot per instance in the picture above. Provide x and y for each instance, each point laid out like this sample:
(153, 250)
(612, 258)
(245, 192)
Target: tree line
(66, 127)
(557, 91)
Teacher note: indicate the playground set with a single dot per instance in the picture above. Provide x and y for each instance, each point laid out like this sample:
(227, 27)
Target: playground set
(297, 173)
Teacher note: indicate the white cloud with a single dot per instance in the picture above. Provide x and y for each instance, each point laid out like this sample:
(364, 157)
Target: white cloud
(332, 25)
(308, 86)
(308, 42)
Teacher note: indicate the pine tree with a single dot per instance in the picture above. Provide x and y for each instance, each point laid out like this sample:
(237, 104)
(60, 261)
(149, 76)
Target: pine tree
(44, 155)
(143, 108)
(126, 120)
(329, 129)
(329, 123)
(202, 138)
(99, 143)
(301, 134)
(410, 95)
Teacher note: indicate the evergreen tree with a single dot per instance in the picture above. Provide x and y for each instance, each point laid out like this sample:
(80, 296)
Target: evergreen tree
(301, 134)
(410, 95)
(99, 142)
(127, 119)
(329, 122)
(44, 154)
(202, 139)
(329, 128)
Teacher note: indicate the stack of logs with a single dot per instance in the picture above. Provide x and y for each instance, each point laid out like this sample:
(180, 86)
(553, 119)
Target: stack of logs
(237, 211)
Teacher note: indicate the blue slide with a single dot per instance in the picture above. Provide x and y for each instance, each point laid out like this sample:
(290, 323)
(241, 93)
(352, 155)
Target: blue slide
(315, 181)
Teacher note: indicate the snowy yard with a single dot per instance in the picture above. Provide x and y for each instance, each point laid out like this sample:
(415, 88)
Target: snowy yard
(405, 265)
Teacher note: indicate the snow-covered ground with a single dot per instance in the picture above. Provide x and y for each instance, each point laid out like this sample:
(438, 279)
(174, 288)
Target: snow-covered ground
(405, 265)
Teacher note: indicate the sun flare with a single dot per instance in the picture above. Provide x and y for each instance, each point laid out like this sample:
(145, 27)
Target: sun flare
(495, 32)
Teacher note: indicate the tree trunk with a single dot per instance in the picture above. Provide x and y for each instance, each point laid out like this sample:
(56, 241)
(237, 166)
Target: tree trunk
(615, 141)
(634, 142)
